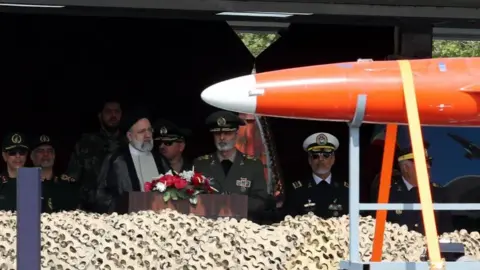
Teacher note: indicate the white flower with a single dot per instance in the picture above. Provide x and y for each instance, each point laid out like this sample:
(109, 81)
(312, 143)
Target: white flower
(160, 187)
(169, 173)
(193, 200)
(187, 175)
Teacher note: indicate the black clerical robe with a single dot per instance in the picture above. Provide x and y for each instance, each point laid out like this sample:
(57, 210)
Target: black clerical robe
(118, 175)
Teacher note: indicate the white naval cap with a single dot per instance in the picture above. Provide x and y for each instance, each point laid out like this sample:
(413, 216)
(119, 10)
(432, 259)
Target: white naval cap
(321, 142)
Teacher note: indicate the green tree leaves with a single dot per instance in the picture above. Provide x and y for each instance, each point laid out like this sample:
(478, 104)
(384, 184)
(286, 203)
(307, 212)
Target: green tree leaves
(258, 42)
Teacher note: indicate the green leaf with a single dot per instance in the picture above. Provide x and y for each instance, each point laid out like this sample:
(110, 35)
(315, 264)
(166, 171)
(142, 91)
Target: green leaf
(166, 196)
(182, 195)
(174, 194)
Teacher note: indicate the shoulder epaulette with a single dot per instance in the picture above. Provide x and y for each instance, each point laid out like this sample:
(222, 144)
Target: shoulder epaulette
(250, 157)
(205, 157)
(297, 184)
(65, 177)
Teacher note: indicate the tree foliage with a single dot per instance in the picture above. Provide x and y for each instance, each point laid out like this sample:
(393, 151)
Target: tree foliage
(257, 42)
(455, 48)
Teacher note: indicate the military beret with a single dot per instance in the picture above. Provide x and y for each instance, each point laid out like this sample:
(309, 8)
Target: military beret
(320, 142)
(132, 116)
(168, 131)
(14, 140)
(223, 121)
(40, 140)
(407, 153)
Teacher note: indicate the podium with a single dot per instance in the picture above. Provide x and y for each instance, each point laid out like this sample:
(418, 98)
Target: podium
(208, 205)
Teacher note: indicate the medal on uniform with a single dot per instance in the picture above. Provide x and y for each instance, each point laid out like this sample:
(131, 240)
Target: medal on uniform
(309, 206)
(335, 213)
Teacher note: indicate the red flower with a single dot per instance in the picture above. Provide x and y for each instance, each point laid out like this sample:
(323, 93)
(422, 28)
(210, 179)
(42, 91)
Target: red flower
(190, 191)
(198, 179)
(180, 183)
(148, 186)
(168, 180)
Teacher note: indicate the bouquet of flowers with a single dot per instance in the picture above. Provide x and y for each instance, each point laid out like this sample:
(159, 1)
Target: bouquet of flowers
(184, 185)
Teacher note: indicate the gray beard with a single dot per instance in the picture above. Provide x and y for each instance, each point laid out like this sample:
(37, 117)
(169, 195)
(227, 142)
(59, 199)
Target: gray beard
(142, 146)
(225, 146)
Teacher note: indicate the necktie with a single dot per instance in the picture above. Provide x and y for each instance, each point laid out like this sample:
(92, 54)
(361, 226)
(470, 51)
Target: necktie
(226, 165)
(323, 183)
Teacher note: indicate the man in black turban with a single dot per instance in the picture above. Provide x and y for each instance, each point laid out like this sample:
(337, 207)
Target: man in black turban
(130, 167)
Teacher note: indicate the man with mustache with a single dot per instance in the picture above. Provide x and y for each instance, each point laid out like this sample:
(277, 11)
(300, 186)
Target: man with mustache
(131, 166)
(171, 143)
(229, 170)
(321, 193)
(14, 153)
(57, 194)
(404, 189)
(91, 149)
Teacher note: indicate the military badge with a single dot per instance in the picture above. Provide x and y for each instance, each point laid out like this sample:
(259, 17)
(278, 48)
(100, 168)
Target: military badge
(44, 139)
(243, 183)
(163, 131)
(16, 138)
(322, 139)
(65, 177)
(309, 204)
(221, 122)
(335, 208)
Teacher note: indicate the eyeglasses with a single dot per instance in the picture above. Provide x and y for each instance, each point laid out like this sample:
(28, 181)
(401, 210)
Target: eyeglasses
(324, 154)
(17, 152)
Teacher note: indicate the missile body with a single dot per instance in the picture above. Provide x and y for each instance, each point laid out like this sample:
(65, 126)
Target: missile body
(447, 90)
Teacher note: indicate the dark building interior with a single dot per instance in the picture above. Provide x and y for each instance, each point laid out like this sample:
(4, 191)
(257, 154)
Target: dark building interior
(58, 70)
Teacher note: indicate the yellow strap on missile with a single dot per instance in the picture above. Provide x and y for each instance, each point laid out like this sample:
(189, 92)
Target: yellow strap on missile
(384, 190)
(420, 164)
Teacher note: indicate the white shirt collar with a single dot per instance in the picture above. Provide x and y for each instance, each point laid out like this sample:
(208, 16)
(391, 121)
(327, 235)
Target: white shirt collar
(318, 179)
(136, 152)
(409, 186)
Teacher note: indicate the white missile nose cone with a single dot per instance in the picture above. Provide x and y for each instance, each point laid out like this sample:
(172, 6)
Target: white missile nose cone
(237, 95)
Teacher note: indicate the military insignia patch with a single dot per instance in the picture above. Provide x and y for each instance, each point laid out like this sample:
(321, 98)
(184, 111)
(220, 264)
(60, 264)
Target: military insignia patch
(44, 139)
(16, 138)
(65, 177)
(163, 131)
(221, 122)
(322, 139)
(243, 183)
(297, 184)
(50, 204)
(205, 157)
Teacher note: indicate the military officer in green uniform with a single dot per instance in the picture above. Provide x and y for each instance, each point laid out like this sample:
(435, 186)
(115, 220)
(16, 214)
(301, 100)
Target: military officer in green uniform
(321, 193)
(229, 170)
(58, 194)
(403, 189)
(171, 142)
(14, 153)
(90, 151)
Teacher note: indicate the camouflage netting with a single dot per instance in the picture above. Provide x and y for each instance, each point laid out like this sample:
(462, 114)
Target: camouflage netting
(169, 240)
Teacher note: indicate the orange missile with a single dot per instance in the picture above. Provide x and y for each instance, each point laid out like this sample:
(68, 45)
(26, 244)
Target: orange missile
(447, 89)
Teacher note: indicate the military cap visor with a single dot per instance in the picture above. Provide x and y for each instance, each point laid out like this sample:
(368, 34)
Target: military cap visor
(13, 141)
(224, 121)
(168, 131)
(408, 155)
(321, 143)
